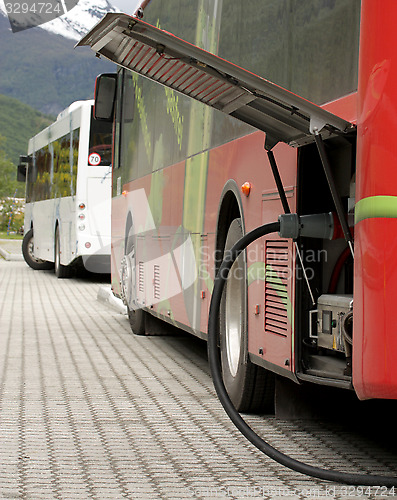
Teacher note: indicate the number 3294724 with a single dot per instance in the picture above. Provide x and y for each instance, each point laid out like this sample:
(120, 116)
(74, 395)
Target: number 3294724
(34, 8)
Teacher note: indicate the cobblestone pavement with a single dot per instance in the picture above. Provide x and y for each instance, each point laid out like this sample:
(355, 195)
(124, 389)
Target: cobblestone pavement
(89, 411)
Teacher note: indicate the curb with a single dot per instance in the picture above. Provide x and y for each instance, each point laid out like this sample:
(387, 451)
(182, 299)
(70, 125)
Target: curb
(10, 256)
(106, 296)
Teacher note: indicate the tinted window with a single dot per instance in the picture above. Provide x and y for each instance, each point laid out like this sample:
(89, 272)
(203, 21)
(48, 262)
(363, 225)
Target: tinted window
(307, 46)
(100, 142)
(53, 171)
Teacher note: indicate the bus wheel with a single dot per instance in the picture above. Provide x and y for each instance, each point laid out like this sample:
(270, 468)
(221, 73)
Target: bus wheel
(60, 270)
(250, 387)
(136, 315)
(28, 254)
(137, 319)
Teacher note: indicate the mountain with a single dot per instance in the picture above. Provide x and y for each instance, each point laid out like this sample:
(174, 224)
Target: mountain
(40, 67)
(16, 116)
(78, 20)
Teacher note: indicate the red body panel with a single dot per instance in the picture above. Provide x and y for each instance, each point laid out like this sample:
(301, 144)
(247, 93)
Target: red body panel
(242, 160)
(247, 161)
(375, 295)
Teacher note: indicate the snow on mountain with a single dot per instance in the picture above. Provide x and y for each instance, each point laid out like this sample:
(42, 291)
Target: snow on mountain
(78, 21)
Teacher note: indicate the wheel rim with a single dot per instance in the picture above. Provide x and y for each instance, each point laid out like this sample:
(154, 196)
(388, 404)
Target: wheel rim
(57, 256)
(234, 317)
(127, 278)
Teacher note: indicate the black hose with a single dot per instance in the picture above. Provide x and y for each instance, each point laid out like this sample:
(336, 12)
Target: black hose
(239, 422)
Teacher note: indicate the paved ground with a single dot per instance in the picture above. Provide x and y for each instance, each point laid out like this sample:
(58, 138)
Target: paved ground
(11, 249)
(89, 411)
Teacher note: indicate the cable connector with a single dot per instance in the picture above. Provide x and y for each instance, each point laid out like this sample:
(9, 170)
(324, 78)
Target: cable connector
(312, 226)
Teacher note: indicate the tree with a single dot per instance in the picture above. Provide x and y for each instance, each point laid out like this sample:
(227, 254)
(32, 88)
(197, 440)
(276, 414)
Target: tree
(8, 174)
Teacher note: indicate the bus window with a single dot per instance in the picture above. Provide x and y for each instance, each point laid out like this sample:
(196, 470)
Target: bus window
(309, 48)
(30, 179)
(100, 143)
(74, 158)
(126, 120)
(41, 175)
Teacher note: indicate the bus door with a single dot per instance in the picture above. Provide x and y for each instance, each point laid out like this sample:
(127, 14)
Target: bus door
(99, 179)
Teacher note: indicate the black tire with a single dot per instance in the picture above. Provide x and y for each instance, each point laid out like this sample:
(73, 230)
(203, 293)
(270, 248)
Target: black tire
(60, 270)
(137, 319)
(28, 254)
(136, 315)
(250, 387)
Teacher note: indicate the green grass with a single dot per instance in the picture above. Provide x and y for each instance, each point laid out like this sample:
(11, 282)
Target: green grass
(5, 236)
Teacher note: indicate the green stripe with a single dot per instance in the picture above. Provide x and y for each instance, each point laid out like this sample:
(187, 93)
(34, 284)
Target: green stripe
(256, 272)
(196, 170)
(376, 207)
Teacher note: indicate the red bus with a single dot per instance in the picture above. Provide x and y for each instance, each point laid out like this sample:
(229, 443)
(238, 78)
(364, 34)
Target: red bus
(191, 176)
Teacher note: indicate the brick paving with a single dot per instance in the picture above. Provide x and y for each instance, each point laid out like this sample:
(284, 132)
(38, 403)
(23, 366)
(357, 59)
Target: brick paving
(90, 411)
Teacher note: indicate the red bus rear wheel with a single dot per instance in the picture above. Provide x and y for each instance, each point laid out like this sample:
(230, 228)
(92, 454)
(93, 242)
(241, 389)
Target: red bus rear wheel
(136, 315)
(250, 387)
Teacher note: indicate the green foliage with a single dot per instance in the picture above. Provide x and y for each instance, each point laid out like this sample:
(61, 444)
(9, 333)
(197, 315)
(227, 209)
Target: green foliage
(11, 213)
(19, 123)
(8, 182)
(11, 210)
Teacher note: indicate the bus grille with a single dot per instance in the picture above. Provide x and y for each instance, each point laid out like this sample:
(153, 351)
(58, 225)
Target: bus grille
(277, 285)
(141, 277)
(156, 282)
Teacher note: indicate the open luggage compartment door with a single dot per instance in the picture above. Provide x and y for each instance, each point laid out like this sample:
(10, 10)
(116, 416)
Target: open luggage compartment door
(166, 59)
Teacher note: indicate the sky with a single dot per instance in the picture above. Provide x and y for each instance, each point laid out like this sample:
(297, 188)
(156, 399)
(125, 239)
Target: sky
(127, 6)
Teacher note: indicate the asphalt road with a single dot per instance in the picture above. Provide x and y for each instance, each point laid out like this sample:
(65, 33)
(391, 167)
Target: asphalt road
(90, 411)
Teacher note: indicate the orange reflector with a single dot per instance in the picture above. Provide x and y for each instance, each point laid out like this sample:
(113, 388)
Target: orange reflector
(124, 193)
(246, 188)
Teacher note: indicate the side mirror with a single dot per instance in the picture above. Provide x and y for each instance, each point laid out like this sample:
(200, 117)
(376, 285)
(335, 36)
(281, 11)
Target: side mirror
(21, 173)
(105, 96)
(24, 161)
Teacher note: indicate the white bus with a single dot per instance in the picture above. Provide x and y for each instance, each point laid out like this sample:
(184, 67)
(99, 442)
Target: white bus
(68, 193)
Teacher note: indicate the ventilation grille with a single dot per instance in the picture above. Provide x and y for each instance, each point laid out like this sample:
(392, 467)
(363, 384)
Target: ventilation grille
(141, 277)
(277, 279)
(156, 282)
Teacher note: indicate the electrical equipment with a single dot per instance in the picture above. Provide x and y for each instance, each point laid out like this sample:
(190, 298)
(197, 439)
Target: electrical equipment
(333, 321)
